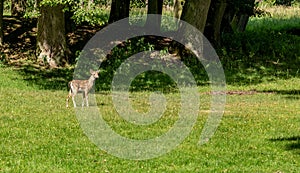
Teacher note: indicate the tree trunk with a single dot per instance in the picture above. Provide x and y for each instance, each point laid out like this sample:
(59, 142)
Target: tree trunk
(243, 22)
(51, 37)
(18, 7)
(1, 22)
(195, 13)
(214, 19)
(178, 8)
(154, 7)
(227, 19)
(119, 10)
(70, 24)
(236, 19)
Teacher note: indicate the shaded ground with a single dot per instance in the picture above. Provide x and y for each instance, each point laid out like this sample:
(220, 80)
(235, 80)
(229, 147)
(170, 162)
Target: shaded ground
(20, 39)
(19, 51)
(292, 143)
(247, 58)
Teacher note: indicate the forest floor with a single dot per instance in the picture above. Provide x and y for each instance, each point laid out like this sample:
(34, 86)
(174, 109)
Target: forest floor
(20, 39)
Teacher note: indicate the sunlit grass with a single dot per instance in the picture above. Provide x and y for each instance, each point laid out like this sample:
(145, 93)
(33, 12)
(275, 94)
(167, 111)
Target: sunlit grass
(258, 133)
(276, 18)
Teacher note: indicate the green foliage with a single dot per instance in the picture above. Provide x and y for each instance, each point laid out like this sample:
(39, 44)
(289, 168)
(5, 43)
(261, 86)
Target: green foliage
(6, 6)
(269, 3)
(150, 80)
(138, 4)
(119, 55)
(83, 12)
(93, 16)
(56, 2)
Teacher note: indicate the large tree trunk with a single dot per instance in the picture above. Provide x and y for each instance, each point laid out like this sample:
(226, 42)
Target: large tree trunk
(18, 7)
(178, 6)
(154, 7)
(119, 10)
(195, 13)
(236, 19)
(51, 37)
(242, 24)
(69, 21)
(214, 19)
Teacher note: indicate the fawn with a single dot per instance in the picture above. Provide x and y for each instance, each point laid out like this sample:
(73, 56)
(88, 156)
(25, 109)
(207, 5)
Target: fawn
(83, 86)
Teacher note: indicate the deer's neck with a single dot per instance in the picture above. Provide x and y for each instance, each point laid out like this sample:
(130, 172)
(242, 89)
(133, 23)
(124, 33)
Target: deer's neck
(91, 79)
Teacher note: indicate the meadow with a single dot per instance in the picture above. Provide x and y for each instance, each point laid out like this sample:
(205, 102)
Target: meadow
(259, 131)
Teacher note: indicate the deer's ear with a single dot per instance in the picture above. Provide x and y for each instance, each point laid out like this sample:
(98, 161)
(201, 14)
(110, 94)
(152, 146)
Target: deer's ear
(98, 71)
(91, 71)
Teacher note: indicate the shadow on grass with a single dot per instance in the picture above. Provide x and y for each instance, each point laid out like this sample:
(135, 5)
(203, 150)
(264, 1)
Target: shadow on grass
(288, 94)
(251, 57)
(46, 79)
(293, 142)
(261, 55)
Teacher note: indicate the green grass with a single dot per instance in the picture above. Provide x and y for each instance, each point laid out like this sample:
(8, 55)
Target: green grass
(258, 133)
(278, 18)
(268, 50)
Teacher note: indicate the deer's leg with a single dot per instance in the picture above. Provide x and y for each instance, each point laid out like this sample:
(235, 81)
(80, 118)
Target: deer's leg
(87, 99)
(73, 92)
(83, 98)
(73, 99)
(69, 95)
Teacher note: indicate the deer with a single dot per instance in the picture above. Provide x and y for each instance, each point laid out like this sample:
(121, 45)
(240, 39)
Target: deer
(83, 86)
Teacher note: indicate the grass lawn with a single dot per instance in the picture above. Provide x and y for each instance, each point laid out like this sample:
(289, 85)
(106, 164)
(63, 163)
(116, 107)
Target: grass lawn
(258, 133)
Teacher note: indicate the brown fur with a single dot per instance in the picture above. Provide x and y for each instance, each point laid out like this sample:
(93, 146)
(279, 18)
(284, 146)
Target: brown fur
(83, 86)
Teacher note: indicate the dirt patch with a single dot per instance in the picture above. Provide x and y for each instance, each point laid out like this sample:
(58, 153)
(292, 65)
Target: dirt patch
(251, 92)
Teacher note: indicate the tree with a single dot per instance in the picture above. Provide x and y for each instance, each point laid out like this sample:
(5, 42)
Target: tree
(119, 10)
(18, 7)
(214, 20)
(51, 37)
(1, 22)
(154, 7)
(236, 15)
(195, 13)
(178, 8)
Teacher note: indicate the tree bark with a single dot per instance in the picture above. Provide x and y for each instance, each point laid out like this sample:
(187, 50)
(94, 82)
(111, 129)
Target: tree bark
(213, 24)
(241, 22)
(69, 22)
(119, 10)
(178, 5)
(18, 7)
(235, 19)
(1, 22)
(51, 37)
(195, 13)
(154, 7)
